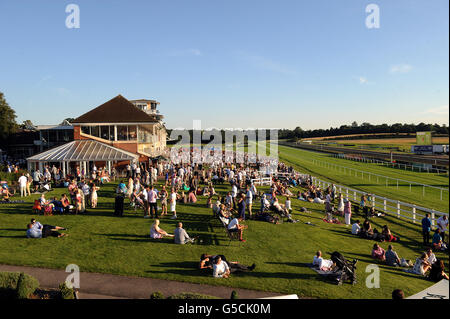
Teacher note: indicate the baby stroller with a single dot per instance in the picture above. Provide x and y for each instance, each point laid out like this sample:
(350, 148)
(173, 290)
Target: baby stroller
(344, 270)
(136, 203)
(44, 187)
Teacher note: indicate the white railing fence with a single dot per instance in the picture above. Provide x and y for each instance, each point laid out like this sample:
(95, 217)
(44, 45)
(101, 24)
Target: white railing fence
(396, 208)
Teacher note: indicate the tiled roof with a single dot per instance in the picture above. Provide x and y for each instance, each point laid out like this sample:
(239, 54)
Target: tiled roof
(116, 110)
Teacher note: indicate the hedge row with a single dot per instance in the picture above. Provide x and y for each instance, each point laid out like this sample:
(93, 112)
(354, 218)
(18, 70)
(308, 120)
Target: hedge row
(17, 285)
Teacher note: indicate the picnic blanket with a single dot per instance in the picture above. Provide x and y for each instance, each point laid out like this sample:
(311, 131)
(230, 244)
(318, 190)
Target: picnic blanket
(333, 221)
(319, 271)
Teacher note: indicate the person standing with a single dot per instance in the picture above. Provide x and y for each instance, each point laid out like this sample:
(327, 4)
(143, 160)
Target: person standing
(152, 195)
(426, 228)
(442, 224)
(249, 201)
(347, 211)
(29, 182)
(23, 180)
(173, 203)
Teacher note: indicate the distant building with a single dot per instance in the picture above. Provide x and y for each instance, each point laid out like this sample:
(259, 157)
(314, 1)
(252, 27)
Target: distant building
(32, 140)
(113, 134)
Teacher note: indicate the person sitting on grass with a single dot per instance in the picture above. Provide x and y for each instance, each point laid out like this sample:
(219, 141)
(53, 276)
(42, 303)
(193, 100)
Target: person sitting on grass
(421, 266)
(220, 269)
(281, 210)
(210, 262)
(392, 258)
(267, 217)
(322, 264)
(437, 242)
(156, 232)
(366, 230)
(36, 230)
(191, 197)
(386, 232)
(234, 226)
(378, 252)
(437, 271)
(431, 256)
(356, 228)
(265, 205)
(181, 236)
(65, 203)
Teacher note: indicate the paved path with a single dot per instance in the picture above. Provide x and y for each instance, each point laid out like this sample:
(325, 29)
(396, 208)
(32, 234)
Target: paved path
(95, 285)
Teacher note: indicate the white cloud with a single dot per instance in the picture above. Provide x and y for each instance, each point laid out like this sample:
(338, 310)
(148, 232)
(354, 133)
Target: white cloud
(265, 63)
(440, 110)
(400, 68)
(363, 80)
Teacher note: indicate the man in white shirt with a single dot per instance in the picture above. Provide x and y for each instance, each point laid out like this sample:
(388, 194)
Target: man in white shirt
(234, 226)
(249, 201)
(23, 185)
(442, 224)
(221, 269)
(356, 228)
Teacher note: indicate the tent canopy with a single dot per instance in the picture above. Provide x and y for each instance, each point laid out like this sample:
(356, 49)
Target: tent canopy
(83, 150)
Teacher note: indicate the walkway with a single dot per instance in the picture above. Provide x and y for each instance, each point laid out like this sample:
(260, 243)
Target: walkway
(106, 286)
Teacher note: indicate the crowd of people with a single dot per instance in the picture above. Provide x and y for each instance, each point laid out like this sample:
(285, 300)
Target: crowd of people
(185, 183)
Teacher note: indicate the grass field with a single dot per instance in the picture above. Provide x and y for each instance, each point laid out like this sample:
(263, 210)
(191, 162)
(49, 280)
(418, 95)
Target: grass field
(302, 160)
(99, 242)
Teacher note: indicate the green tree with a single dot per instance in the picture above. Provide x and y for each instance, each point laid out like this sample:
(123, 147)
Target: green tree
(8, 123)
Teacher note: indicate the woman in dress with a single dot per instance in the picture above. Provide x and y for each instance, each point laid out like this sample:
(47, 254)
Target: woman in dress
(347, 211)
(156, 232)
(94, 196)
(130, 187)
(340, 206)
(163, 197)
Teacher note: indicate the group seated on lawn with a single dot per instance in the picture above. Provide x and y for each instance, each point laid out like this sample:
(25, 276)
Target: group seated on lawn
(221, 267)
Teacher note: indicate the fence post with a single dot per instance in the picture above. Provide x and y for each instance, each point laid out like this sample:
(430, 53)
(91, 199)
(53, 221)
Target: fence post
(414, 214)
(346, 192)
(384, 205)
(432, 217)
(354, 196)
(398, 209)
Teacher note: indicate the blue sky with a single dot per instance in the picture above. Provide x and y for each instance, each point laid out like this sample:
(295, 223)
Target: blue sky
(247, 64)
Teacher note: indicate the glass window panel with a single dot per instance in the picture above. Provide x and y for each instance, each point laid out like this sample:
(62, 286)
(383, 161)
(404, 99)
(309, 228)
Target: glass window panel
(111, 132)
(95, 131)
(132, 133)
(122, 133)
(104, 131)
(86, 130)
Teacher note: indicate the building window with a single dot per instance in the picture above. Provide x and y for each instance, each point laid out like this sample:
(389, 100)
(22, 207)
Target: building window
(132, 133)
(122, 133)
(86, 130)
(106, 133)
(95, 131)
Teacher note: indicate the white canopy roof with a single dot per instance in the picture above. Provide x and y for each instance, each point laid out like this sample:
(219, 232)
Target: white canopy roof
(83, 150)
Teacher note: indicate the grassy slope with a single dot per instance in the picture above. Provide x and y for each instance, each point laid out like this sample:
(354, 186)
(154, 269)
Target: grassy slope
(99, 242)
(302, 160)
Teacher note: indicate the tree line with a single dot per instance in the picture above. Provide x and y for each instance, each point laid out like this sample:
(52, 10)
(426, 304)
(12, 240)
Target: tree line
(364, 128)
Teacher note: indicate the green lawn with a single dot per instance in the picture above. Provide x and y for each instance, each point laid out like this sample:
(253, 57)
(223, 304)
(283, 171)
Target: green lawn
(302, 160)
(99, 242)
